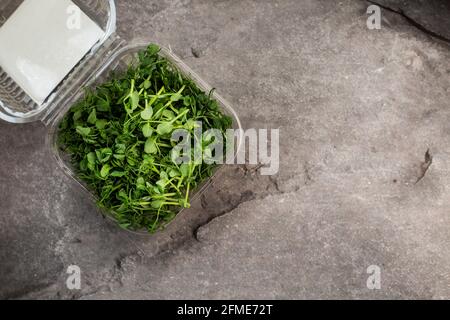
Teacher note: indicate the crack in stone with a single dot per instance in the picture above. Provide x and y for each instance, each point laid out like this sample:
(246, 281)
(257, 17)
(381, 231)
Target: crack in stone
(306, 170)
(274, 181)
(24, 293)
(424, 166)
(411, 21)
(251, 169)
(246, 196)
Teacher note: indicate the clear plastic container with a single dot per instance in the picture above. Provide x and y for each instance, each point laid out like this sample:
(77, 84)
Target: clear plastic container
(15, 104)
(111, 53)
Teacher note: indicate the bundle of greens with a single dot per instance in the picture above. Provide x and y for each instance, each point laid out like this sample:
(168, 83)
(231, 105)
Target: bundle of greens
(119, 141)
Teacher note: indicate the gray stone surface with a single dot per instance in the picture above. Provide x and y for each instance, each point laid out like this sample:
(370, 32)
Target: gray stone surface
(357, 110)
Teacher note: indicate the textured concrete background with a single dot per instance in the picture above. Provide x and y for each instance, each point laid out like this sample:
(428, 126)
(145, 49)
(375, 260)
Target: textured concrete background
(357, 110)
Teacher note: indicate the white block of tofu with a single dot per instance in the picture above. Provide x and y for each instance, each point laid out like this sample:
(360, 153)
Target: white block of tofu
(42, 41)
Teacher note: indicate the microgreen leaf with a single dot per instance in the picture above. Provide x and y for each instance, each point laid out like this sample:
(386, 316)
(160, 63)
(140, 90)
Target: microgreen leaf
(134, 98)
(161, 183)
(175, 97)
(118, 174)
(184, 169)
(103, 105)
(173, 173)
(105, 171)
(164, 128)
(77, 115)
(168, 114)
(92, 119)
(150, 146)
(91, 157)
(147, 130)
(101, 124)
(187, 101)
(152, 49)
(147, 113)
(83, 131)
(140, 183)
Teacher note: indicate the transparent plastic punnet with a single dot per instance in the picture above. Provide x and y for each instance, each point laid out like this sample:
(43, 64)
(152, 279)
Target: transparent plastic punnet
(110, 54)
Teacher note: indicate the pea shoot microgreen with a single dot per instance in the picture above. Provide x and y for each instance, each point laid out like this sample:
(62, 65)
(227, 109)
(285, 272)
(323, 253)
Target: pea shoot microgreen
(119, 140)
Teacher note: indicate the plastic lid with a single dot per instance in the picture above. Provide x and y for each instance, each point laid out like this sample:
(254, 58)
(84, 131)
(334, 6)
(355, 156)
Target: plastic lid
(67, 49)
